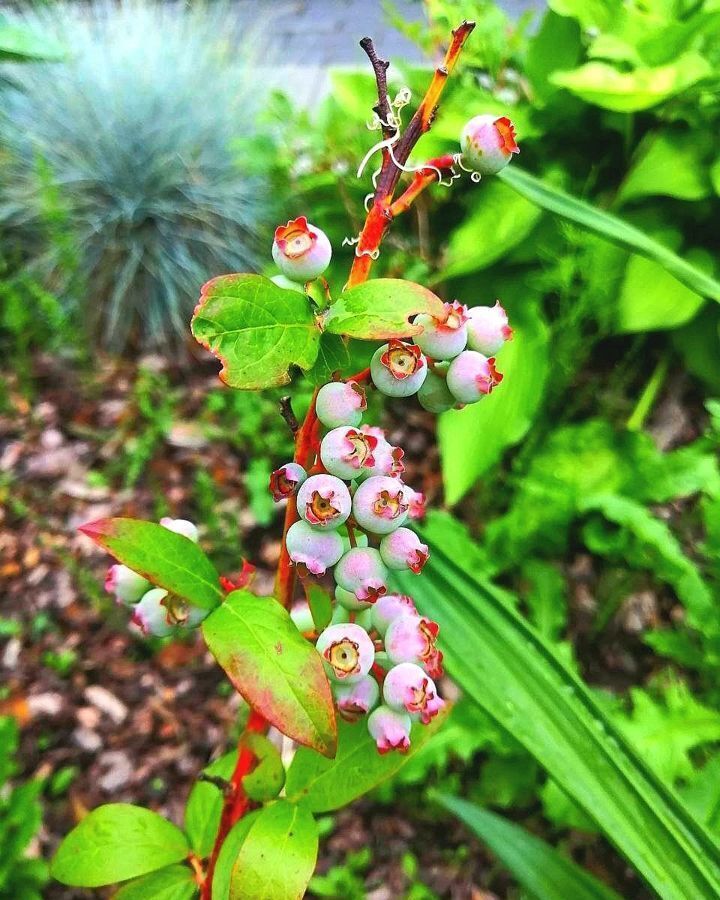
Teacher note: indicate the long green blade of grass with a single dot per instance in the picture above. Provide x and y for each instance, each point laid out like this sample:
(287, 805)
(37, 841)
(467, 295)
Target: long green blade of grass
(538, 867)
(610, 227)
(504, 666)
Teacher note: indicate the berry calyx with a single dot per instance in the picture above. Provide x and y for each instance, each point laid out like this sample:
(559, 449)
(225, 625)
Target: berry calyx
(347, 652)
(340, 403)
(380, 504)
(471, 376)
(348, 600)
(301, 251)
(388, 460)
(390, 729)
(317, 550)
(346, 452)
(398, 369)
(412, 639)
(443, 337)
(488, 329)
(362, 572)
(488, 143)
(408, 688)
(324, 501)
(356, 700)
(285, 481)
(403, 549)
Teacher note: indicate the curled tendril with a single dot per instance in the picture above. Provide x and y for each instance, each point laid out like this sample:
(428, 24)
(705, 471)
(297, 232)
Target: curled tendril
(350, 242)
(474, 176)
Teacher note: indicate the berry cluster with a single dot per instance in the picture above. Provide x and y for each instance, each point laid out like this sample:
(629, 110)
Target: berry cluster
(154, 610)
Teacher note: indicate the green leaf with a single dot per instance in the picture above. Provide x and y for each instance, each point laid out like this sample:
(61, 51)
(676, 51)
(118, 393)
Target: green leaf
(267, 779)
(610, 227)
(276, 670)
(357, 768)
(204, 806)
(651, 298)
(503, 665)
(320, 603)
(473, 439)
(173, 883)
(256, 329)
(592, 14)
(116, 842)
(499, 221)
(381, 309)
(669, 163)
(702, 794)
(540, 869)
(18, 43)
(228, 855)
(643, 88)
(272, 859)
(333, 356)
(165, 558)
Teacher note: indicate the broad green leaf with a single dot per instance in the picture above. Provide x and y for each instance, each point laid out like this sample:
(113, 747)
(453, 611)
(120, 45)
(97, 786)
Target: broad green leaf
(256, 329)
(555, 46)
(592, 14)
(652, 299)
(204, 806)
(610, 227)
(325, 784)
(699, 345)
(381, 309)
(228, 855)
(173, 883)
(276, 670)
(277, 857)
(473, 439)
(165, 558)
(320, 603)
(116, 842)
(268, 777)
(504, 666)
(18, 43)
(643, 88)
(668, 163)
(333, 356)
(498, 222)
(538, 867)
(702, 794)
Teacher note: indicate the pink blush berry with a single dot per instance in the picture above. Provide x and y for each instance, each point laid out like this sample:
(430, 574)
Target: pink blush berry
(348, 452)
(362, 572)
(407, 687)
(388, 460)
(356, 700)
(390, 729)
(403, 549)
(398, 369)
(151, 616)
(347, 652)
(324, 501)
(488, 329)
(349, 601)
(340, 403)
(389, 608)
(412, 639)
(380, 504)
(315, 549)
(471, 376)
(285, 481)
(445, 337)
(417, 502)
(488, 143)
(301, 251)
(181, 526)
(127, 586)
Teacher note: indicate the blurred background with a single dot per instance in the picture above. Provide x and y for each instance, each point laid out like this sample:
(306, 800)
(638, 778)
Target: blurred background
(145, 148)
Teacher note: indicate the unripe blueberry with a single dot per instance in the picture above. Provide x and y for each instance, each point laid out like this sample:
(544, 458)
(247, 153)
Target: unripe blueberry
(340, 403)
(434, 395)
(389, 608)
(159, 612)
(285, 481)
(340, 615)
(349, 601)
(412, 639)
(388, 459)
(356, 700)
(398, 369)
(362, 572)
(347, 652)
(318, 550)
(445, 337)
(346, 452)
(302, 617)
(471, 376)
(301, 251)
(407, 688)
(417, 502)
(488, 329)
(488, 143)
(181, 526)
(127, 586)
(363, 618)
(380, 505)
(390, 729)
(284, 282)
(403, 549)
(324, 501)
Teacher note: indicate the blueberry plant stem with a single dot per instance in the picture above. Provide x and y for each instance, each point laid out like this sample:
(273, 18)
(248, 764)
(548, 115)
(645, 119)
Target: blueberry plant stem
(381, 213)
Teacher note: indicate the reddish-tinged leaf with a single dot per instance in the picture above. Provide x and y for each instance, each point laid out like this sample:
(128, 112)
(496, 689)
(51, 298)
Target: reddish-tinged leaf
(276, 670)
(165, 558)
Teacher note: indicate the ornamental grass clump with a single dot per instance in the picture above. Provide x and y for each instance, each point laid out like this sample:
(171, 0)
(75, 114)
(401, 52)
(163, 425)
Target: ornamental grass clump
(121, 170)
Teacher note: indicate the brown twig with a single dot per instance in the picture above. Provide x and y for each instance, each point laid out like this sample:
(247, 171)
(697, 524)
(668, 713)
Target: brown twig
(380, 67)
(286, 411)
